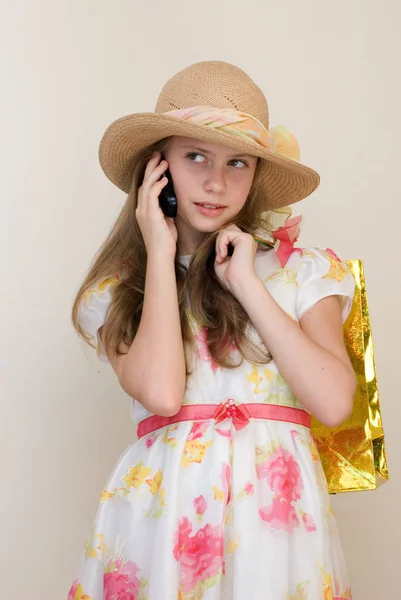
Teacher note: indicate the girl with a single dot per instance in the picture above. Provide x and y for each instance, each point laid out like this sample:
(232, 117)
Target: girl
(227, 346)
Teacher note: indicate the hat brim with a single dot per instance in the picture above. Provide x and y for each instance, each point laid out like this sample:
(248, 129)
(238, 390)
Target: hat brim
(283, 181)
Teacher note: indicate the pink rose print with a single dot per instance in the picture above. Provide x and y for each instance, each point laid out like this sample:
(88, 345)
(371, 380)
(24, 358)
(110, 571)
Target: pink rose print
(200, 505)
(203, 348)
(73, 589)
(309, 523)
(149, 442)
(224, 432)
(225, 482)
(122, 583)
(280, 515)
(200, 555)
(282, 474)
(201, 338)
(249, 488)
(197, 431)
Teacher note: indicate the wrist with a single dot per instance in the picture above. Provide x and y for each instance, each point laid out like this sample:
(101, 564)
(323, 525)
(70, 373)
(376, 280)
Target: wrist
(160, 258)
(246, 287)
(159, 254)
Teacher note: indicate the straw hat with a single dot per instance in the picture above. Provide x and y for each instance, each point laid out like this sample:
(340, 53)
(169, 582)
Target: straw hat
(227, 92)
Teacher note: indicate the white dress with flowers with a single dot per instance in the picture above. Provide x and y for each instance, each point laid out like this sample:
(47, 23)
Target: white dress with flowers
(203, 511)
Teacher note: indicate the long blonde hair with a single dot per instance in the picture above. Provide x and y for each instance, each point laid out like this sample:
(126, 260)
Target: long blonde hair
(123, 253)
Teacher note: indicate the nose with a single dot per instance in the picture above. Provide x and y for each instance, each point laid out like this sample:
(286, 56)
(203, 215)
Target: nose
(215, 182)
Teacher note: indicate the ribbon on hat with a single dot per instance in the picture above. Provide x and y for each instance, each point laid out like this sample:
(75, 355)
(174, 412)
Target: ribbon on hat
(278, 139)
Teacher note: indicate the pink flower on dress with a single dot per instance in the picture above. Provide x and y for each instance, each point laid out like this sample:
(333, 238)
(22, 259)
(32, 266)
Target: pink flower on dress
(225, 482)
(224, 432)
(280, 515)
(122, 583)
(197, 430)
(200, 555)
(149, 442)
(283, 475)
(333, 254)
(73, 589)
(249, 489)
(203, 348)
(309, 523)
(201, 338)
(200, 505)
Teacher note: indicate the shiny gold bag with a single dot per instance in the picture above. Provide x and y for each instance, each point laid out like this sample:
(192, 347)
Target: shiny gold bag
(353, 455)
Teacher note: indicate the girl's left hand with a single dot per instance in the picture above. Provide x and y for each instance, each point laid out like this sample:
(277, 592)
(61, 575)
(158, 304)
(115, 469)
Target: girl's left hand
(236, 271)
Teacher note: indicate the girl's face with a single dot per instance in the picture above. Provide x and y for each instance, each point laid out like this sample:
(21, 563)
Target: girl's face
(211, 182)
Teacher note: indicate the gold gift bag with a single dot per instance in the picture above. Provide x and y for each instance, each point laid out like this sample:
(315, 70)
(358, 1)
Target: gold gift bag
(353, 455)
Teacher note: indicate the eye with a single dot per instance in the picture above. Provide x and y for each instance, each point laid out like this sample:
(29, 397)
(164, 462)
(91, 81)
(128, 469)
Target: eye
(238, 163)
(195, 156)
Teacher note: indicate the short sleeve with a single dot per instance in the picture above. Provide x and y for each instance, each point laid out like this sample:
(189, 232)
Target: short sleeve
(93, 310)
(321, 274)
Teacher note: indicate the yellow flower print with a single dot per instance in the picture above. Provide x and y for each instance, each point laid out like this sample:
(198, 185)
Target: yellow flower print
(327, 592)
(337, 270)
(105, 495)
(105, 283)
(136, 476)
(314, 451)
(155, 483)
(301, 593)
(286, 275)
(232, 546)
(270, 375)
(217, 494)
(194, 452)
(95, 545)
(79, 594)
(255, 379)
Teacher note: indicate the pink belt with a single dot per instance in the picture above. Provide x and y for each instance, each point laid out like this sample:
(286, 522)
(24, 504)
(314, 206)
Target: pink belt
(238, 413)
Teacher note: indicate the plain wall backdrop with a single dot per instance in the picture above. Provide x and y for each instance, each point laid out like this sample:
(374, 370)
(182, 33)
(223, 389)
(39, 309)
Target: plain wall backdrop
(330, 72)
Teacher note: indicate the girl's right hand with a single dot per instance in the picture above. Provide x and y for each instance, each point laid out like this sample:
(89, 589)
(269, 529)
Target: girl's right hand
(159, 232)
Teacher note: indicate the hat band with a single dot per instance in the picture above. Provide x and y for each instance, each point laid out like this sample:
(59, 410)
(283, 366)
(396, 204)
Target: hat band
(278, 139)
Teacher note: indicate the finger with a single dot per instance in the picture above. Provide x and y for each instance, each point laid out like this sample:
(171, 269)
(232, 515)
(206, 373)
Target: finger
(151, 164)
(148, 199)
(155, 174)
(154, 192)
(222, 243)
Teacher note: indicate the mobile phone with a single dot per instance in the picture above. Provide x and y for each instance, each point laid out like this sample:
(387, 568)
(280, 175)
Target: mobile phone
(167, 198)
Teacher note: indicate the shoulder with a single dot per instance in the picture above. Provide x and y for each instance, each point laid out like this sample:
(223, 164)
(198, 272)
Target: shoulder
(320, 259)
(93, 308)
(321, 273)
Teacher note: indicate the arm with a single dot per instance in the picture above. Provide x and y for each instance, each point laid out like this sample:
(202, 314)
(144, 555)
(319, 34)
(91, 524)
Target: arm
(153, 369)
(311, 357)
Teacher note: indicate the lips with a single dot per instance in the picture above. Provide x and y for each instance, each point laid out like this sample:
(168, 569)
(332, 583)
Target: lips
(207, 211)
(210, 205)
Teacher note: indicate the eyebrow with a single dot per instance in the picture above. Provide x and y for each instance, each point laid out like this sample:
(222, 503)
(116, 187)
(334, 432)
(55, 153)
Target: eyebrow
(204, 151)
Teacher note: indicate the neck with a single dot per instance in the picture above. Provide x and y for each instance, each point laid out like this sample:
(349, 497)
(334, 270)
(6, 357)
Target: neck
(188, 238)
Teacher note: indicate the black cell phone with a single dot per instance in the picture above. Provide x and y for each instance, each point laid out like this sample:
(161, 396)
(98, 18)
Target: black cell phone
(167, 198)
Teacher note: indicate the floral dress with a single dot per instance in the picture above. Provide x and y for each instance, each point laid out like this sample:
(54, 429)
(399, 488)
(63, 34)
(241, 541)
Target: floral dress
(206, 510)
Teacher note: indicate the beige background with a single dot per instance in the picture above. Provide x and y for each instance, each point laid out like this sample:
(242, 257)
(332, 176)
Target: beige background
(331, 73)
